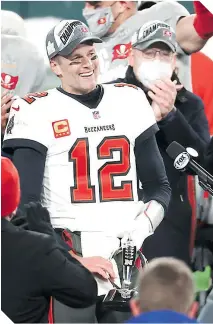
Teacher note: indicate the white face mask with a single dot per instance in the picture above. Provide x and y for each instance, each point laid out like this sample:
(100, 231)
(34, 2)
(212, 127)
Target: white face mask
(99, 20)
(150, 71)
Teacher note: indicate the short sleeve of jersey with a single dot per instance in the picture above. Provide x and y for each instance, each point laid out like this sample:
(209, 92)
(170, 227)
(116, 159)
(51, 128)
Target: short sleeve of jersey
(170, 13)
(141, 116)
(27, 127)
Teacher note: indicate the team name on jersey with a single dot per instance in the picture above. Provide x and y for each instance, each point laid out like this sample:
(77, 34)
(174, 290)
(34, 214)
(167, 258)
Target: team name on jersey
(99, 128)
(65, 33)
(151, 29)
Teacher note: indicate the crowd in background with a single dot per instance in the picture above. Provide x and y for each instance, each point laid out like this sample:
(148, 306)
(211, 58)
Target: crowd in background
(182, 242)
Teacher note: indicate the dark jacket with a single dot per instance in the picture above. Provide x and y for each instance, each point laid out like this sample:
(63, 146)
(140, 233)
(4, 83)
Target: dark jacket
(189, 127)
(33, 269)
(209, 157)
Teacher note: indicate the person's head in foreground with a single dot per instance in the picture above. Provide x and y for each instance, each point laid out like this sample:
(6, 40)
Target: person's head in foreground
(71, 51)
(165, 284)
(153, 52)
(10, 188)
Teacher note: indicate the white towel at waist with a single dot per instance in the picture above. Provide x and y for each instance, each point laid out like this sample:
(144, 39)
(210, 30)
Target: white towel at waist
(100, 244)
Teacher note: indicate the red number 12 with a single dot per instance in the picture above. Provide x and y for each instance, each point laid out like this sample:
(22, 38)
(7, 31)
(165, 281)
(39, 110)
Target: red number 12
(83, 191)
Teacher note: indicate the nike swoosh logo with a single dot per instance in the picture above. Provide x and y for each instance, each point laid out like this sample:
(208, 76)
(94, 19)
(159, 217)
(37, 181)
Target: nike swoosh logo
(16, 109)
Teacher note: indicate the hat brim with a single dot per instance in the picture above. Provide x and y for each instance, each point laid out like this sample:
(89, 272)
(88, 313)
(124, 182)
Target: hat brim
(72, 46)
(145, 45)
(94, 39)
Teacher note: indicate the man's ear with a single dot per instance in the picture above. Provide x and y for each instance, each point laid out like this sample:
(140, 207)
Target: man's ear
(135, 307)
(55, 67)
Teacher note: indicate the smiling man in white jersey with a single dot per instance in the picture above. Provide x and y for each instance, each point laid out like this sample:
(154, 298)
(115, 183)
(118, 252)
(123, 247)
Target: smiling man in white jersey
(116, 21)
(81, 148)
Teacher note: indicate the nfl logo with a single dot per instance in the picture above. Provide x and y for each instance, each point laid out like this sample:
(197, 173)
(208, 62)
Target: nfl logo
(96, 114)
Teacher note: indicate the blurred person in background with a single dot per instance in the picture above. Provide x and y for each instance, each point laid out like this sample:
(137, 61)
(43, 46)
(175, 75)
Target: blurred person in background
(22, 66)
(180, 117)
(165, 293)
(116, 21)
(34, 268)
(81, 128)
(45, 24)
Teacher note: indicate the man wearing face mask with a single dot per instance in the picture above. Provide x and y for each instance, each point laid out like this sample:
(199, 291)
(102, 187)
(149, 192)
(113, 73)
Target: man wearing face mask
(180, 116)
(200, 61)
(116, 21)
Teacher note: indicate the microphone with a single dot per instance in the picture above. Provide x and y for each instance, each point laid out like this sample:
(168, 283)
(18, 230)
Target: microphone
(183, 160)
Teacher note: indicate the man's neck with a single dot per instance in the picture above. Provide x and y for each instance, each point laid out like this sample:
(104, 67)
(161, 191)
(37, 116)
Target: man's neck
(74, 91)
(91, 99)
(120, 20)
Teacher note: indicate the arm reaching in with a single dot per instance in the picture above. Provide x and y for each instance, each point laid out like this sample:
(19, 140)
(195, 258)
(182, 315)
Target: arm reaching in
(193, 31)
(156, 190)
(151, 215)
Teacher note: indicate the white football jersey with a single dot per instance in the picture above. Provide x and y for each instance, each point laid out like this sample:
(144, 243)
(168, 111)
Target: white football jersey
(90, 171)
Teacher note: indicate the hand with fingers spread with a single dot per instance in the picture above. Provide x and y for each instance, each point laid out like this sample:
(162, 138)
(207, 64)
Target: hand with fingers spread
(98, 266)
(6, 102)
(163, 94)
